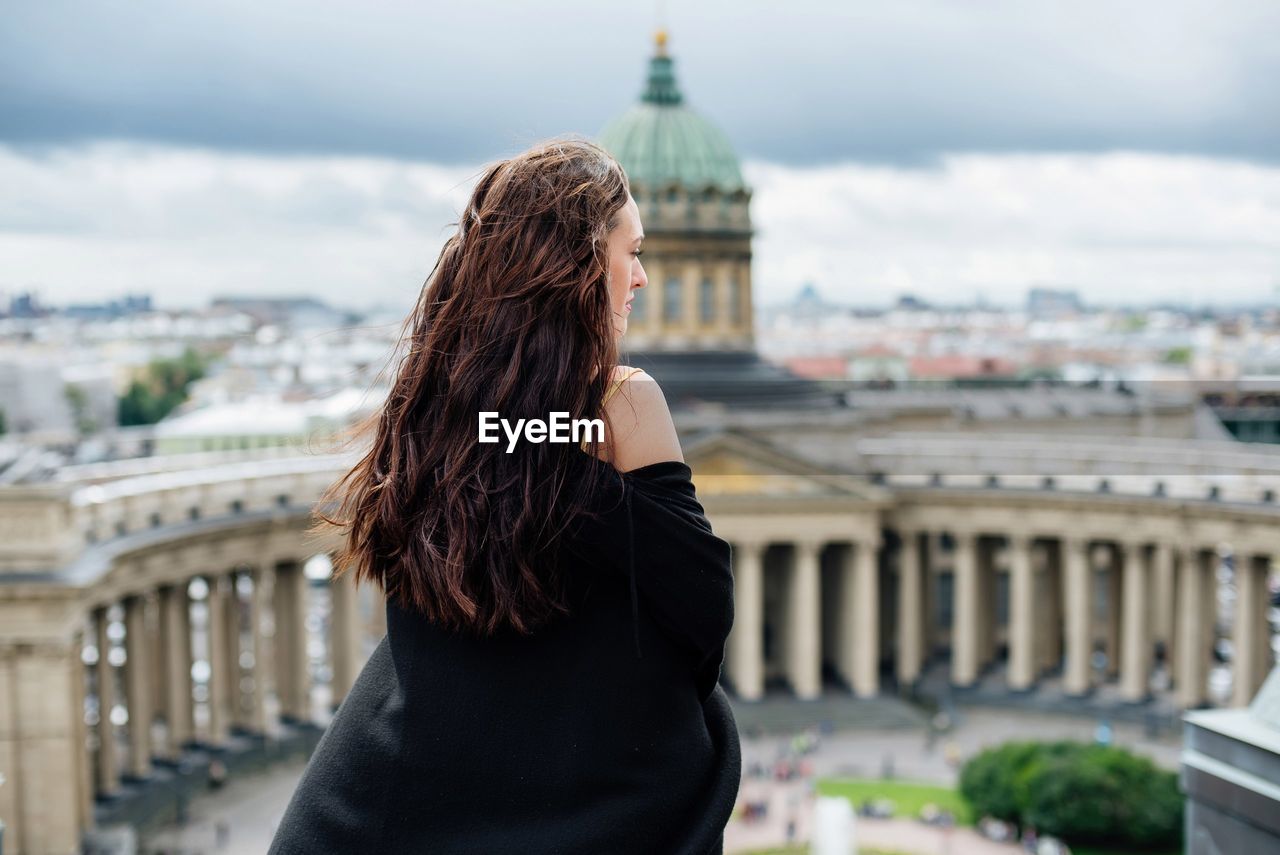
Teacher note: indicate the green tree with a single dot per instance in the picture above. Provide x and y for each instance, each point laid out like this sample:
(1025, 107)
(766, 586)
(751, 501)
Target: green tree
(1085, 794)
(4, 425)
(79, 403)
(1158, 822)
(1072, 798)
(1134, 323)
(162, 387)
(988, 781)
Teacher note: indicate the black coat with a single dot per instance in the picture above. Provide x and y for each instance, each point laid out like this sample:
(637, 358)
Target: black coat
(605, 732)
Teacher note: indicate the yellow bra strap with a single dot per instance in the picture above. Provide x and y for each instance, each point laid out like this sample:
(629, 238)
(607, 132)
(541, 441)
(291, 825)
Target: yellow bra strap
(617, 384)
(613, 390)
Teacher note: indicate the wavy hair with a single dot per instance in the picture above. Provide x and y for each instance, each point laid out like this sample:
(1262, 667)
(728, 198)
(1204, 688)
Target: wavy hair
(515, 318)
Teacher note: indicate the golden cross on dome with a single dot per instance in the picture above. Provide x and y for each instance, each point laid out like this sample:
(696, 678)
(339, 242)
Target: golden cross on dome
(660, 37)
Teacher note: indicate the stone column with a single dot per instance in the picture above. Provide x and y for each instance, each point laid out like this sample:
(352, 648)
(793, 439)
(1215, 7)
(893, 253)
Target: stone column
(219, 691)
(1250, 641)
(256, 721)
(964, 611)
(1135, 646)
(1193, 588)
(910, 609)
(1079, 615)
(175, 632)
(866, 624)
(82, 776)
(804, 628)
(292, 683)
(108, 760)
(344, 640)
(1022, 648)
(690, 322)
(138, 691)
(746, 638)
(44, 800)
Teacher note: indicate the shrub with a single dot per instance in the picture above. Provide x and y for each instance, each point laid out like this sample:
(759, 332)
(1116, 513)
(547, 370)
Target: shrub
(1079, 792)
(1069, 797)
(987, 781)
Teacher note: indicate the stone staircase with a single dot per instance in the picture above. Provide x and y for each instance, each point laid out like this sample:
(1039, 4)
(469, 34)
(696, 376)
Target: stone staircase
(780, 712)
(991, 690)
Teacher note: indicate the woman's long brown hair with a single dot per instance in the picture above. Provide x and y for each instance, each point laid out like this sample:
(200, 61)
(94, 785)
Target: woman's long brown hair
(514, 318)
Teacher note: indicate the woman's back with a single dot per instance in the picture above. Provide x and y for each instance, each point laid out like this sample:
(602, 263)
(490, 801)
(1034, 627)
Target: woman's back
(561, 742)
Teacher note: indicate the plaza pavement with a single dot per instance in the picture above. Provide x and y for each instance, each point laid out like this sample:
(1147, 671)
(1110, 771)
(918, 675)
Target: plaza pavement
(251, 807)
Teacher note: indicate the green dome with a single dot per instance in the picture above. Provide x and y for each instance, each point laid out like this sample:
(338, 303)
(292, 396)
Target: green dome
(660, 140)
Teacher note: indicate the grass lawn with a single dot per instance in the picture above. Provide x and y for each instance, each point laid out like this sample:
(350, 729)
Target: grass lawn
(907, 797)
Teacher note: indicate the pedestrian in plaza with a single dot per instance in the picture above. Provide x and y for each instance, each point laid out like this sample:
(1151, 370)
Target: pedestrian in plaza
(557, 612)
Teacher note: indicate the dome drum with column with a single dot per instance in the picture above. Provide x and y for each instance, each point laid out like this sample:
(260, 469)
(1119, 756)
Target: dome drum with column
(692, 327)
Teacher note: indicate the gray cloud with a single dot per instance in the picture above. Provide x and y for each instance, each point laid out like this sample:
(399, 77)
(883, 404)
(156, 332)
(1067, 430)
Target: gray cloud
(804, 82)
(92, 222)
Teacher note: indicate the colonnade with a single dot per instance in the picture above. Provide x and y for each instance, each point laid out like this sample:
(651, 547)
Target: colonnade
(829, 596)
(1084, 610)
(850, 574)
(254, 645)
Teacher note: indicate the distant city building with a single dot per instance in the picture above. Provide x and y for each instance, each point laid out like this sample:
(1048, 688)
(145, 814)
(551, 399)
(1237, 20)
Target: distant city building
(1050, 302)
(292, 312)
(35, 396)
(262, 422)
(26, 305)
(818, 367)
(963, 368)
(879, 364)
(911, 303)
(809, 303)
(129, 305)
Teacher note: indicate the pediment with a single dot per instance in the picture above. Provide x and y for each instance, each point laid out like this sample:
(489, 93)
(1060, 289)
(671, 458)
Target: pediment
(727, 464)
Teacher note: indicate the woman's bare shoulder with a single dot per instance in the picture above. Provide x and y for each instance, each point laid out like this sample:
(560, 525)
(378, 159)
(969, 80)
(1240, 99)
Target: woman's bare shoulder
(642, 430)
(622, 372)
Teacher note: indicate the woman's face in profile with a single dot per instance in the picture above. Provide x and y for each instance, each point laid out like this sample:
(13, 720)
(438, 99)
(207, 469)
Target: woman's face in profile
(625, 271)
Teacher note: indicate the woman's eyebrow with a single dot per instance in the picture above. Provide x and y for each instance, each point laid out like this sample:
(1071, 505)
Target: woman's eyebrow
(637, 240)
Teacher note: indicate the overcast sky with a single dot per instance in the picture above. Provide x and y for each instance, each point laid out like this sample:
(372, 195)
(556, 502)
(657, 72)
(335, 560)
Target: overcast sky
(1127, 149)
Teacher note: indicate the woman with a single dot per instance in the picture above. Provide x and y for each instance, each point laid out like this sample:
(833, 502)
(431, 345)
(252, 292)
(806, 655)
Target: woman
(556, 612)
